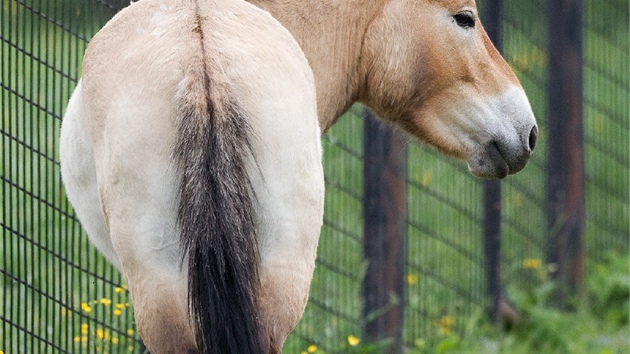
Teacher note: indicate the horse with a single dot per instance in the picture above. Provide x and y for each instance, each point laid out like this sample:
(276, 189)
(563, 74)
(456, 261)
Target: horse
(190, 148)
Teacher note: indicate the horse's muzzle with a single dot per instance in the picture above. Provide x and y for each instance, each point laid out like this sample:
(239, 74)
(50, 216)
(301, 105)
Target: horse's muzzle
(498, 158)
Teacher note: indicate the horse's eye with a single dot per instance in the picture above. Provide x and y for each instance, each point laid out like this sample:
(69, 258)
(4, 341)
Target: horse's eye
(465, 19)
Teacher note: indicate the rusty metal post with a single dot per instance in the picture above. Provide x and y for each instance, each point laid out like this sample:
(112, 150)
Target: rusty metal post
(493, 18)
(385, 226)
(565, 154)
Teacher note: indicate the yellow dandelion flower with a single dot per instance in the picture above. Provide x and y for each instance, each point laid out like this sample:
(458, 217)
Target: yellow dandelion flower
(121, 306)
(426, 178)
(130, 331)
(130, 348)
(84, 328)
(86, 307)
(117, 312)
(100, 333)
(77, 339)
(445, 325)
(517, 199)
(532, 263)
(353, 341)
(114, 340)
(412, 279)
(106, 301)
(311, 348)
(84, 339)
(118, 289)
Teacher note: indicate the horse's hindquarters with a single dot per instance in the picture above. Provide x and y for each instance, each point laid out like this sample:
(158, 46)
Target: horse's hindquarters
(149, 59)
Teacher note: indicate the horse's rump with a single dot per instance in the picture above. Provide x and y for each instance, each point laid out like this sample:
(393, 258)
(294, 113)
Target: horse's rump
(175, 97)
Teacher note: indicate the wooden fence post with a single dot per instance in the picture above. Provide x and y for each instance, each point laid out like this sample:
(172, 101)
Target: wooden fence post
(385, 226)
(565, 154)
(493, 18)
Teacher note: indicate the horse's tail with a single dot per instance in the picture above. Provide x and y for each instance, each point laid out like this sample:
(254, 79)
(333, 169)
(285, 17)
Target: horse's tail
(216, 218)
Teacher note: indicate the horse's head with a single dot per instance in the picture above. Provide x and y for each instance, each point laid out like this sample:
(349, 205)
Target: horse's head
(431, 68)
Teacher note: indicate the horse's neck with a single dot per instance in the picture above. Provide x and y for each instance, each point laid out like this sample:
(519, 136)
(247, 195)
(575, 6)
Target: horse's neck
(330, 33)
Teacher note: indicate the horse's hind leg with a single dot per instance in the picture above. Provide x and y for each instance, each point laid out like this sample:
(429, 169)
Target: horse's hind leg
(138, 187)
(289, 190)
(128, 212)
(79, 176)
(290, 227)
(284, 294)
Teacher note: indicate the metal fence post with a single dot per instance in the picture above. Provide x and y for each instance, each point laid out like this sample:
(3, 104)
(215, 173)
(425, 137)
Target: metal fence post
(493, 17)
(565, 152)
(385, 226)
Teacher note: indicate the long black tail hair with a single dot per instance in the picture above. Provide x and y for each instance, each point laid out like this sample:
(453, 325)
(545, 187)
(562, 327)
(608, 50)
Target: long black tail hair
(215, 216)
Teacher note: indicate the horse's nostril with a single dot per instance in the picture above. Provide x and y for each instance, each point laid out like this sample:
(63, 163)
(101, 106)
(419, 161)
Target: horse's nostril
(533, 136)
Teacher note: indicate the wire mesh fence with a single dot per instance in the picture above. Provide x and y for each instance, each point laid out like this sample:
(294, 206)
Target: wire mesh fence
(524, 219)
(607, 127)
(59, 295)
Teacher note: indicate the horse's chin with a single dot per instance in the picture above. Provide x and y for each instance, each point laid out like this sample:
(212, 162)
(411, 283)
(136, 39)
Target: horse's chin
(498, 171)
(495, 161)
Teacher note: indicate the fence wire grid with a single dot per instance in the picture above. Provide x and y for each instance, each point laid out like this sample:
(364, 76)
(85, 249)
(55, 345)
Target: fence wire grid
(59, 295)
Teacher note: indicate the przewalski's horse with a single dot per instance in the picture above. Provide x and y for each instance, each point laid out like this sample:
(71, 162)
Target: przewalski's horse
(190, 150)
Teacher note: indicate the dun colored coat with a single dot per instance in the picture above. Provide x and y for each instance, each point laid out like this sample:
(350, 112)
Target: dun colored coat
(190, 148)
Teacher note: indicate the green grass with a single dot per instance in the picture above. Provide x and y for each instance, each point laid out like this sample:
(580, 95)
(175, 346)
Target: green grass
(598, 324)
(445, 299)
